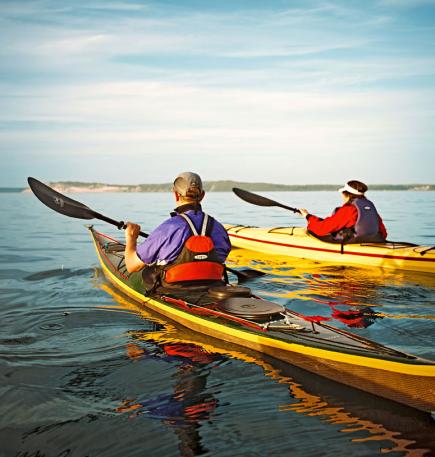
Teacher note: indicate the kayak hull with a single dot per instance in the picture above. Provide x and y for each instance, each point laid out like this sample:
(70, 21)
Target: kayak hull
(340, 356)
(296, 242)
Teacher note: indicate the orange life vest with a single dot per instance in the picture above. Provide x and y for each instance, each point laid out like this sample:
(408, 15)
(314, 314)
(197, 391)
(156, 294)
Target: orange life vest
(198, 260)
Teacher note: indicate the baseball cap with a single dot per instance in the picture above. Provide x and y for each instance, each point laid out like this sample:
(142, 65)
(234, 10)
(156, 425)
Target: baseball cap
(188, 183)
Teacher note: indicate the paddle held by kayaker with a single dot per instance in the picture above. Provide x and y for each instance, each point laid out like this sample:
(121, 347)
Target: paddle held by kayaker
(356, 221)
(188, 248)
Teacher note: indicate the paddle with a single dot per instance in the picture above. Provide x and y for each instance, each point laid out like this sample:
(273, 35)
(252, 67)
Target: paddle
(72, 208)
(259, 200)
(67, 206)
(246, 274)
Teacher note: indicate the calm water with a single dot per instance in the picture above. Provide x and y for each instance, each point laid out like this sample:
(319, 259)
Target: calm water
(83, 372)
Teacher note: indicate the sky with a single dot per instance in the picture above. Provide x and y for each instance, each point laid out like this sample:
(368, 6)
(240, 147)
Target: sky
(293, 92)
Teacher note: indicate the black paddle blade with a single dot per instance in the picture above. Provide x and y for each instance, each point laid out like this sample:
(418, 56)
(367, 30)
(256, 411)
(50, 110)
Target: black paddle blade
(58, 202)
(254, 198)
(245, 275)
(260, 200)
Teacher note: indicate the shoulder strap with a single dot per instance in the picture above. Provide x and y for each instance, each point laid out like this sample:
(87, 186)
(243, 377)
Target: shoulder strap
(204, 225)
(210, 225)
(190, 223)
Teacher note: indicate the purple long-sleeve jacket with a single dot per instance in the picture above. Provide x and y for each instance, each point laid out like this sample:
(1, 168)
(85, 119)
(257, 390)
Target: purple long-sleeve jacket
(165, 242)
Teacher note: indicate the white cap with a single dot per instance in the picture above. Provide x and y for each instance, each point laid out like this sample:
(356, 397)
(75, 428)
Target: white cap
(351, 190)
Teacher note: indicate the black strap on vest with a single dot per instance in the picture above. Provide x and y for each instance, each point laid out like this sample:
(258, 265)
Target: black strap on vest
(210, 225)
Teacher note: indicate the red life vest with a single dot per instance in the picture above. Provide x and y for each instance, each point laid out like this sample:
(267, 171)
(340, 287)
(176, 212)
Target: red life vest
(198, 260)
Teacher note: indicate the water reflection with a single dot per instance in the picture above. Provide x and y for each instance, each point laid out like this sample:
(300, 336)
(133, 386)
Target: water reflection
(364, 417)
(190, 403)
(355, 297)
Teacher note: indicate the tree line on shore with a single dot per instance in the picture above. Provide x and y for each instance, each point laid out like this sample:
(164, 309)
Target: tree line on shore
(214, 186)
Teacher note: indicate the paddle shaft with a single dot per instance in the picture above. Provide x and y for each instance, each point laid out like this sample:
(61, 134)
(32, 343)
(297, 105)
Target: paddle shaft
(295, 210)
(119, 224)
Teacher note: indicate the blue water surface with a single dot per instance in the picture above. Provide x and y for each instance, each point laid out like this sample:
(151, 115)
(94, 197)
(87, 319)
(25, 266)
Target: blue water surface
(86, 372)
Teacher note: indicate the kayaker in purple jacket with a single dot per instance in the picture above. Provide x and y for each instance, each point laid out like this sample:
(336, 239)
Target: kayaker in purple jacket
(165, 244)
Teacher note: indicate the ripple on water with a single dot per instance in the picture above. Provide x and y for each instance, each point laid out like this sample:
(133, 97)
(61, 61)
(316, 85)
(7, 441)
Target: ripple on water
(12, 273)
(14, 258)
(80, 336)
(61, 273)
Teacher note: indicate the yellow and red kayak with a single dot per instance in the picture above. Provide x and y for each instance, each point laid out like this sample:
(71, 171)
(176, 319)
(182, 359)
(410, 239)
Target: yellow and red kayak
(266, 327)
(296, 242)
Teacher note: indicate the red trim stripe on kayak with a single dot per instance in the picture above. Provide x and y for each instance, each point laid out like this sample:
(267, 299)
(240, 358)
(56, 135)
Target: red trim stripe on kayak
(363, 254)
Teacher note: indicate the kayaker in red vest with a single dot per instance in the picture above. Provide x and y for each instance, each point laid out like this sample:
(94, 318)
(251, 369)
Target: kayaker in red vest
(188, 247)
(357, 221)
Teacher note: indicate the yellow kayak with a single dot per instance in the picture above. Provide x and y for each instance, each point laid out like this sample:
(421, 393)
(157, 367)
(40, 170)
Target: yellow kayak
(296, 242)
(257, 324)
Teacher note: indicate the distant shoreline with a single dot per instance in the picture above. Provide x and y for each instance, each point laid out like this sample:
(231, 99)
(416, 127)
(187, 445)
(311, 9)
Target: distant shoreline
(211, 186)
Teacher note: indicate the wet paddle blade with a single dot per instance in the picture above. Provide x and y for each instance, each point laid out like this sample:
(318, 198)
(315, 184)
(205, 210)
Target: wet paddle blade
(58, 202)
(246, 274)
(253, 198)
(251, 274)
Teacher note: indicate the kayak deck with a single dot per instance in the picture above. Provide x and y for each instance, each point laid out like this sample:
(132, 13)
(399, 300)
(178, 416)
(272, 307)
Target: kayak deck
(296, 242)
(291, 337)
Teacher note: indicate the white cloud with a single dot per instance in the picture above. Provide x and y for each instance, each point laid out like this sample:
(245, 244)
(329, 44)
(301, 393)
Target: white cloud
(72, 45)
(405, 3)
(157, 117)
(277, 33)
(322, 82)
(121, 6)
